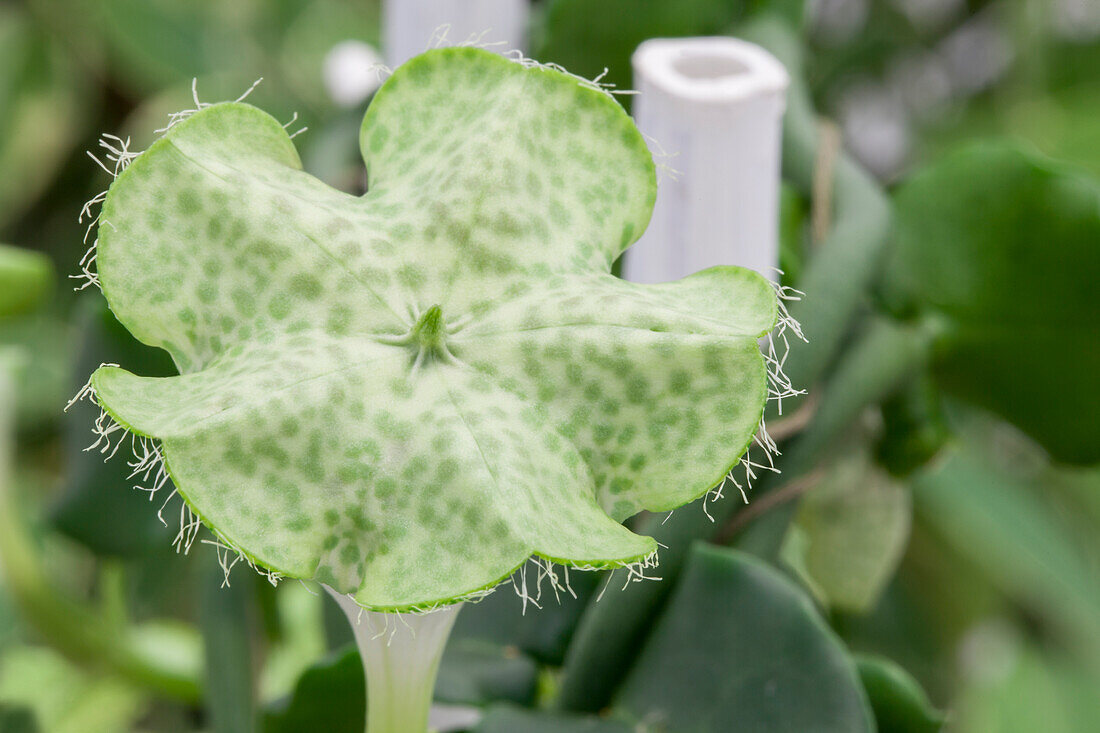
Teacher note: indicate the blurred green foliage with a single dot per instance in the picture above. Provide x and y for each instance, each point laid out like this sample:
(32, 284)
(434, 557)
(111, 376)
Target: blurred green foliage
(899, 703)
(998, 247)
(850, 532)
(931, 545)
(570, 30)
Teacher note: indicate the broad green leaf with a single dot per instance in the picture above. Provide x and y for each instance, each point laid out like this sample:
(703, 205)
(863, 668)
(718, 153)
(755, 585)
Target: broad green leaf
(855, 524)
(1000, 247)
(739, 647)
(404, 395)
(329, 696)
(1060, 123)
(793, 553)
(899, 703)
(478, 673)
(506, 719)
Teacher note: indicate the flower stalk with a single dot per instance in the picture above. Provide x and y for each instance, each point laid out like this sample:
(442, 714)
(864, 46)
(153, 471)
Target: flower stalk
(401, 654)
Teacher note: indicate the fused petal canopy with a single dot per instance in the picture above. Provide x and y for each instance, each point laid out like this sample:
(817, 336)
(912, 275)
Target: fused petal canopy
(406, 394)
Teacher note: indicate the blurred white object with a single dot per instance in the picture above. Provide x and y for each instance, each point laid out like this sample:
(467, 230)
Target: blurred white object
(923, 82)
(352, 72)
(446, 718)
(931, 15)
(412, 26)
(715, 105)
(875, 121)
(836, 22)
(977, 54)
(1077, 20)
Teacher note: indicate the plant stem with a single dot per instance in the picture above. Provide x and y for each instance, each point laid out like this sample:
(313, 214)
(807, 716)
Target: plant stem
(401, 654)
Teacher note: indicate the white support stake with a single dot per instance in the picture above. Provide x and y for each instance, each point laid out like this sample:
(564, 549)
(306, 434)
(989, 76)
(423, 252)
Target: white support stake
(715, 105)
(410, 26)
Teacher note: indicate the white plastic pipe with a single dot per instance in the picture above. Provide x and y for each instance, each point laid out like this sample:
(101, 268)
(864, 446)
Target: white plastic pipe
(410, 26)
(715, 105)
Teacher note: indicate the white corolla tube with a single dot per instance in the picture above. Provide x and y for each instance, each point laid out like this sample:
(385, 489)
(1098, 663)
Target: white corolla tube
(401, 654)
(712, 110)
(412, 26)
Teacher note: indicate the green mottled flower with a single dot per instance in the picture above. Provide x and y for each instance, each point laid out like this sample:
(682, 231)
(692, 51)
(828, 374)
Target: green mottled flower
(407, 394)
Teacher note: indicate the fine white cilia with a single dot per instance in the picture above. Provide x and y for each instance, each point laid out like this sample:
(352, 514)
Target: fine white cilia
(406, 395)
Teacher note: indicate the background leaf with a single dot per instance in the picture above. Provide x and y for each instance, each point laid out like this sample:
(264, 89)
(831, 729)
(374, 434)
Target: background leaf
(329, 696)
(1001, 283)
(1032, 552)
(477, 673)
(855, 525)
(899, 703)
(739, 642)
(504, 719)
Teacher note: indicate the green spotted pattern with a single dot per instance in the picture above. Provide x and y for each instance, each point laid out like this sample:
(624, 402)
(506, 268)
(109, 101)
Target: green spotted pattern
(407, 394)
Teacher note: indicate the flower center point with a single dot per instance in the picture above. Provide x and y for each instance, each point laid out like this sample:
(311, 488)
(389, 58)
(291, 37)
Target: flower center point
(429, 332)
